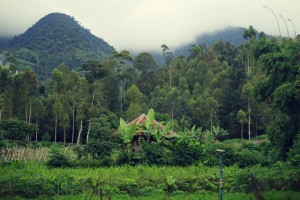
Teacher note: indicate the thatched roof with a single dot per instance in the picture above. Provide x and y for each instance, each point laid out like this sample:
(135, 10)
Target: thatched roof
(141, 121)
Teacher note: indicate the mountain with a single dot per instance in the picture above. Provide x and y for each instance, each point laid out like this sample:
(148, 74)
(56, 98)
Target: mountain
(4, 41)
(233, 35)
(55, 39)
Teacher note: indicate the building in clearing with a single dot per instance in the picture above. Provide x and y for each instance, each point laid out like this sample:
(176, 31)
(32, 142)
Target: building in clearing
(140, 137)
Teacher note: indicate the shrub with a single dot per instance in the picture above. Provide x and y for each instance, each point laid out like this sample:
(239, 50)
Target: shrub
(185, 153)
(58, 159)
(154, 154)
(209, 155)
(246, 158)
(294, 153)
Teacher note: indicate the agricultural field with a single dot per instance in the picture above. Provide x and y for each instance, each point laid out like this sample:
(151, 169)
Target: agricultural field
(38, 174)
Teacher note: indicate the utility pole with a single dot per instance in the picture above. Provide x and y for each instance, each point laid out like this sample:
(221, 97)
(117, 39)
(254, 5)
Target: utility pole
(221, 173)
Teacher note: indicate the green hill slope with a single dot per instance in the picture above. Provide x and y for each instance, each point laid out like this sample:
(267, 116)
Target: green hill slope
(56, 38)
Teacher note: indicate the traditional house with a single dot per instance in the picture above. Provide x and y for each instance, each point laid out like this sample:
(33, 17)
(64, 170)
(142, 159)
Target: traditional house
(140, 137)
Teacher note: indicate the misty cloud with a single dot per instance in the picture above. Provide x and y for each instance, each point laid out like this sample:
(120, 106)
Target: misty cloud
(146, 24)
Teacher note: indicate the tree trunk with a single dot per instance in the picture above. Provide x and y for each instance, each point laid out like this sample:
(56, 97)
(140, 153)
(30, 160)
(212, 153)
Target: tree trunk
(88, 133)
(249, 119)
(172, 114)
(93, 97)
(73, 123)
(36, 128)
(121, 96)
(79, 133)
(29, 115)
(55, 128)
(170, 77)
(211, 131)
(256, 124)
(1, 104)
(26, 118)
(248, 66)
(10, 106)
(64, 134)
(242, 130)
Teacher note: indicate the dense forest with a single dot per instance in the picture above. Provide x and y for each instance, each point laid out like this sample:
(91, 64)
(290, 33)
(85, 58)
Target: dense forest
(246, 91)
(214, 95)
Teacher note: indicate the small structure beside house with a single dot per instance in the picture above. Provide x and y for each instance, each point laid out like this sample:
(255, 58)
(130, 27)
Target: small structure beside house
(141, 137)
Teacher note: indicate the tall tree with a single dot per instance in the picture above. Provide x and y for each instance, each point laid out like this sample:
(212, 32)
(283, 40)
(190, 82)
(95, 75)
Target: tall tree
(38, 111)
(30, 82)
(123, 58)
(75, 90)
(133, 97)
(57, 112)
(168, 57)
(241, 117)
(212, 106)
(65, 122)
(247, 92)
(94, 72)
(4, 79)
(250, 33)
(279, 59)
(147, 66)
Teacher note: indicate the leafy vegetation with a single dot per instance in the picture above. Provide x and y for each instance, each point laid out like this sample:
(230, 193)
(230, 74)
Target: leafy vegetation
(241, 99)
(32, 180)
(55, 39)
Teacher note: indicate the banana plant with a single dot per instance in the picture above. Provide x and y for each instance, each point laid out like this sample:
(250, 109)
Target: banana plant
(159, 133)
(127, 132)
(149, 128)
(219, 132)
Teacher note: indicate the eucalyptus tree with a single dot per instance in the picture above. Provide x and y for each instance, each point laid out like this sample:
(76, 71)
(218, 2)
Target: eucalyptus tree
(145, 63)
(168, 57)
(57, 87)
(133, 97)
(123, 58)
(247, 93)
(94, 72)
(75, 93)
(38, 111)
(250, 33)
(82, 113)
(65, 123)
(56, 84)
(57, 112)
(4, 80)
(30, 86)
(241, 117)
(212, 106)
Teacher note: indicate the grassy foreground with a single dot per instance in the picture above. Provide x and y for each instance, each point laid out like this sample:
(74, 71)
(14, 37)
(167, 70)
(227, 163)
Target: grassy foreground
(33, 180)
(271, 195)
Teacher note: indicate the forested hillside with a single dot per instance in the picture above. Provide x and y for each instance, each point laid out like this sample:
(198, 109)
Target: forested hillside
(233, 35)
(244, 91)
(56, 38)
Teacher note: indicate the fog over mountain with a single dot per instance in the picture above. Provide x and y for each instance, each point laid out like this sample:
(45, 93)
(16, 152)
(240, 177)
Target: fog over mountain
(144, 25)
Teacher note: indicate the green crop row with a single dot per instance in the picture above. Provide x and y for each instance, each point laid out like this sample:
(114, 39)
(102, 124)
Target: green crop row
(31, 180)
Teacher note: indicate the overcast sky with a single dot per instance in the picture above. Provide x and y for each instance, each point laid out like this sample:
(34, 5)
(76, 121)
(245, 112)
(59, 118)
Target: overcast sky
(144, 25)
